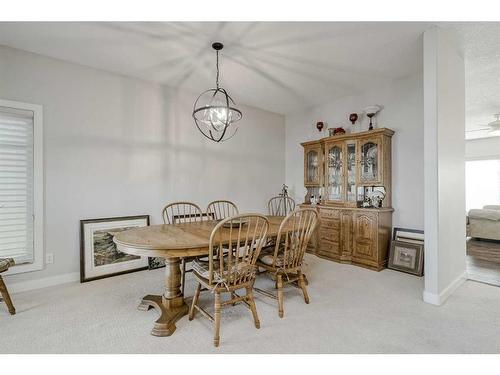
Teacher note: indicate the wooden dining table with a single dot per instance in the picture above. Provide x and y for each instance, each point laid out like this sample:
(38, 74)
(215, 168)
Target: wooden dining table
(173, 242)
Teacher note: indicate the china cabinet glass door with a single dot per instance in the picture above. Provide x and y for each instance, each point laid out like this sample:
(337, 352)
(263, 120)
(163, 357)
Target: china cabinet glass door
(369, 161)
(351, 171)
(334, 173)
(312, 167)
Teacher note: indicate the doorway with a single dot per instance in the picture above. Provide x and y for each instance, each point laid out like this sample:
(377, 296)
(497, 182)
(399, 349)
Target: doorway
(482, 177)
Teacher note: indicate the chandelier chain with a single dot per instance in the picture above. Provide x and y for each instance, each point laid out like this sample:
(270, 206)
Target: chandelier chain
(217, 67)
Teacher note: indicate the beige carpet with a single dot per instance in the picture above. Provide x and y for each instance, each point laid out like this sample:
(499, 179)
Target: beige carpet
(352, 310)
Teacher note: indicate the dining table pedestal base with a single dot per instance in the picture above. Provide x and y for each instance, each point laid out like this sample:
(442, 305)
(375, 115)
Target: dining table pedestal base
(170, 312)
(171, 305)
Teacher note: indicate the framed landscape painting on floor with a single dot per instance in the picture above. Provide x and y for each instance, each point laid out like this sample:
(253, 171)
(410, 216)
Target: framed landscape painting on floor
(99, 257)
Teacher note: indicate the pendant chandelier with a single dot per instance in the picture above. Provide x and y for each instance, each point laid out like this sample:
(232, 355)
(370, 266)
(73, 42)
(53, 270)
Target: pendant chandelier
(214, 111)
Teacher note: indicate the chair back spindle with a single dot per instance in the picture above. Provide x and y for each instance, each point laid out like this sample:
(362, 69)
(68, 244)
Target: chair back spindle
(294, 234)
(280, 206)
(181, 212)
(221, 209)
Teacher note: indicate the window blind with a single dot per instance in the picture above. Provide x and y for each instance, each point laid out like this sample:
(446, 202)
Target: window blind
(16, 184)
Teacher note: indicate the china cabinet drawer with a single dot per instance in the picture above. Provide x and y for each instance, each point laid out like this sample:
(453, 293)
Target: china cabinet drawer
(329, 214)
(332, 235)
(330, 223)
(328, 248)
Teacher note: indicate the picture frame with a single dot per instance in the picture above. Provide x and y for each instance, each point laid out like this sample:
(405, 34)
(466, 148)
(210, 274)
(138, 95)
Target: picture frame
(99, 257)
(410, 235)
(407, 257)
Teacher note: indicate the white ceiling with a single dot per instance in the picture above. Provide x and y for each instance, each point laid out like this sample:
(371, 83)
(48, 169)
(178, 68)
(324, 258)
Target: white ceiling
(281, 67)
(481, 47)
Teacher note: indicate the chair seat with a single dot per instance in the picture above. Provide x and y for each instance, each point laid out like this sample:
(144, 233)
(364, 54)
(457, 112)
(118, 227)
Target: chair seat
(5, 263)
(201, 267)
(266, 257)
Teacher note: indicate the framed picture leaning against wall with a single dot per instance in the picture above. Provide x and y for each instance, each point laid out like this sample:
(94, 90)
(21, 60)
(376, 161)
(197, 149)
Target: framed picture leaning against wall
(99, 257)
(407, 251)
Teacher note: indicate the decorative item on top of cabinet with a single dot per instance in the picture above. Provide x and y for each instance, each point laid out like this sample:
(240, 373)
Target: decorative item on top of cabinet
(371, 111)
(336, 131)
(353, 164)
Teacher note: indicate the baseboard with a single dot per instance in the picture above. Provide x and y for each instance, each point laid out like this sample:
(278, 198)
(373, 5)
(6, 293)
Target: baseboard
(45, 282)
(439, 299)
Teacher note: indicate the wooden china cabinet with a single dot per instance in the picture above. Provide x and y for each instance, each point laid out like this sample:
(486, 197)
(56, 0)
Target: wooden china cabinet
(343, 169)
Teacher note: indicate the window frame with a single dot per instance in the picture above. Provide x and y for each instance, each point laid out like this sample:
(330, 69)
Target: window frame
(38, 188)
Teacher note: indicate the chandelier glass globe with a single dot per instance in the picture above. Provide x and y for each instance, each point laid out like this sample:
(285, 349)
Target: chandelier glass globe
(215, 113)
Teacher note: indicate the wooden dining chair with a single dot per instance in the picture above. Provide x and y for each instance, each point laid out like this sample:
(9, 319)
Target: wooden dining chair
(280, 206)
(5, 264)
(227, 272)
(284, 263)
(221, 209)
(182, 212)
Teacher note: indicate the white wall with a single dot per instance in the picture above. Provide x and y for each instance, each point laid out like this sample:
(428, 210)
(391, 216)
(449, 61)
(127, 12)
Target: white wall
(403, 112)
(444, 111)
(482, 148)
(117, 146)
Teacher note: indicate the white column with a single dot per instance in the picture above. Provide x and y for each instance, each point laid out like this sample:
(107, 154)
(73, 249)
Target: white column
(444, 166)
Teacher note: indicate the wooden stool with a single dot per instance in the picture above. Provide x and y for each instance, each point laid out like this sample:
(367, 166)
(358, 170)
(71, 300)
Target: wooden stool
(4, 266)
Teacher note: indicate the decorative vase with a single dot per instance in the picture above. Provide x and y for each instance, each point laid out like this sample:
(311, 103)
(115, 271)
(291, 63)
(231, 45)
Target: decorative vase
(371, 111)
(307, 198)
